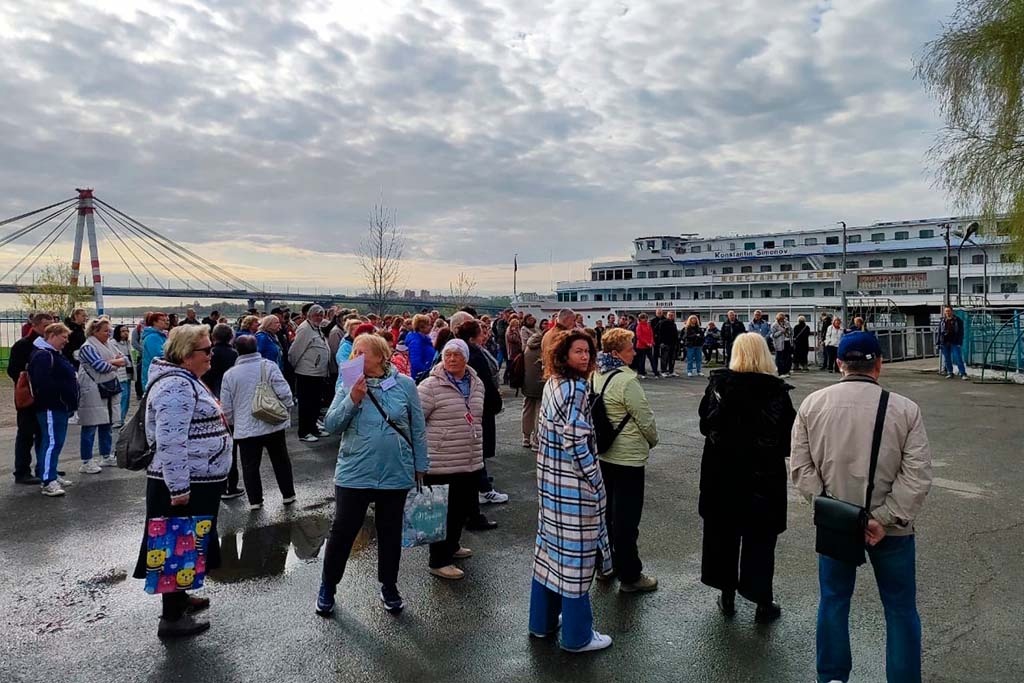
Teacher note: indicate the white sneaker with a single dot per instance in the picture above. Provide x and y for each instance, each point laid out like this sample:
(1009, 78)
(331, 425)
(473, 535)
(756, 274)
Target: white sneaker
(320, 425)
(89, 467)
(73, 420)
(52, 489)
(323, 434)
(493, 497)
(108, 461)
(689, 374)
(310, 438)
(598, 642)
(64, 482)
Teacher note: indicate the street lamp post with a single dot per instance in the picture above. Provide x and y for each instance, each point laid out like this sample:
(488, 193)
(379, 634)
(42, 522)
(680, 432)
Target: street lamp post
(947, 226)
(842, 285)
(972, 230)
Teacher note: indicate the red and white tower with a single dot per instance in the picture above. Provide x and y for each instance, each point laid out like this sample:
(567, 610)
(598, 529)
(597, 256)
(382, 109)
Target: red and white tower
(87, 225)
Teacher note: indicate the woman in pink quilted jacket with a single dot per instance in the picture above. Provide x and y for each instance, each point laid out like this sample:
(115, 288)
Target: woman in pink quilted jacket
(453, 406)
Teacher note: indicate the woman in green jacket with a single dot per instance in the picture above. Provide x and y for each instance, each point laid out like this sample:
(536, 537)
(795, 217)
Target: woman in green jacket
(624, 463)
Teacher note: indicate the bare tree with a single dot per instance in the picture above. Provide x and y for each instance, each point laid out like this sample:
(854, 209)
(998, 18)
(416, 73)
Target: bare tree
(462, 289)
(380, 256)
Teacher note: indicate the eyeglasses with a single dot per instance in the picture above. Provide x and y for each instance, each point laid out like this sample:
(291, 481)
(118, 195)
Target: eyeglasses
(204, 349)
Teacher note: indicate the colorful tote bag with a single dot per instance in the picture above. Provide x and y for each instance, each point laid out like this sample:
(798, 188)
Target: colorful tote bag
(176, 553)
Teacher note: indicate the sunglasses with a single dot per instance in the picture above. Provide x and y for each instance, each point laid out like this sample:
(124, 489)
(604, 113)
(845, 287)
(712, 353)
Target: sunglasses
(204, 349)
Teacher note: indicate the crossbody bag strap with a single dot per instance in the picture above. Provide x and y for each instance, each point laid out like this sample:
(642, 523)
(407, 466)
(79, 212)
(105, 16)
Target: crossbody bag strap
(391, 423)
(625, 419)
(876, 444)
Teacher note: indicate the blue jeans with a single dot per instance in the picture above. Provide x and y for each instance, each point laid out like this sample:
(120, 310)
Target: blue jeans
(126, 398)
(893, 561)
(577, 617)
(89, 435)
(951, 353)
(693, 359)
(54, 426)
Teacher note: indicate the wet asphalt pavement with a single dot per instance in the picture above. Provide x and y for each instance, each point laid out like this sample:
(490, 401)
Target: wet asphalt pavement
(69, 612)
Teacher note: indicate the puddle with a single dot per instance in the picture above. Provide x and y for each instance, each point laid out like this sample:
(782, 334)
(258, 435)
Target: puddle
(275, 549)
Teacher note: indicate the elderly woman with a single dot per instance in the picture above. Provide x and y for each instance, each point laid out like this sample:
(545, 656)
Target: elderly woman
(436, 329)
(453, 407)
(623, 465)
(154, 336)
(309, 354)
(383, 454)
(253, 435)
(55, 394)
(421, 349)
(746, 416)
(801, 343)
(250, 325)
(191, 461)
(833, 335)
(782, 342)
(99, 403)
(122, 342)
(528, 328)
(514, 345)
(571, 532)
(268, 339)
(533, 388)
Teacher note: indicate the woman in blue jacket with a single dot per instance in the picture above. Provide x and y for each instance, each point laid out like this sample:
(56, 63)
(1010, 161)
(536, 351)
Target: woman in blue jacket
(421, 349)
(154, 336)
(55, 392)
(383, 454)
(266, 339)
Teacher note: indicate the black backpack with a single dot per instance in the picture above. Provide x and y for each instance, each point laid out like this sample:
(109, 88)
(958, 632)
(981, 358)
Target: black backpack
(133, 450)
(604, 431)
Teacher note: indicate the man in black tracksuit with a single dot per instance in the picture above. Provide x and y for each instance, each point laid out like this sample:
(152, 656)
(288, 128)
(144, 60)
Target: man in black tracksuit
(29, 434)
(731, 328)
(666, 340)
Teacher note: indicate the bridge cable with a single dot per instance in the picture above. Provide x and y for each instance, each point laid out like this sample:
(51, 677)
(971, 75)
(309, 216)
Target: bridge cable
(143, 245)
(21, 232)
(44, 249)
(118, 252)
(214, 266)
(37, 245)
(32, 213)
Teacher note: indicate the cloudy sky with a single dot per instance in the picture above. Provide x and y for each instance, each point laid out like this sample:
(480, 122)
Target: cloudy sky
(262, 133)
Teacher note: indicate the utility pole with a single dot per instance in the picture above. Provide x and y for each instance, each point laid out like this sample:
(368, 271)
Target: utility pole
(947, 227)
(842, 285)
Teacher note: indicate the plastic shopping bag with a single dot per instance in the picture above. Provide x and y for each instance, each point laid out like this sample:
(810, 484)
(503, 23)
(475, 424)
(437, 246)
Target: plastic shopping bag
(176, 553)
(426, 516)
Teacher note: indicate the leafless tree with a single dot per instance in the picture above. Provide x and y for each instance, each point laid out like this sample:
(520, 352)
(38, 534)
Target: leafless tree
(462, 289)
(380, 256)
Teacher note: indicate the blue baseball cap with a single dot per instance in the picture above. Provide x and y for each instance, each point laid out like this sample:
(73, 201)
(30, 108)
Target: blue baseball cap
(859, 346)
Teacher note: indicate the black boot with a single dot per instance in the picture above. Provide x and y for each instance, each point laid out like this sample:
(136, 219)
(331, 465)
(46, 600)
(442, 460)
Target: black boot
(767, 613)
(727, 603)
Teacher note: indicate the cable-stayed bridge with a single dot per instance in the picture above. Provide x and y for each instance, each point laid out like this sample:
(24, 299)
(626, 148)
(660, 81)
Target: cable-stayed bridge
(145, 252)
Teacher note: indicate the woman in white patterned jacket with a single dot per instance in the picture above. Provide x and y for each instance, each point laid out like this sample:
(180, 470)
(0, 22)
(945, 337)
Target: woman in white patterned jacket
(571, 527)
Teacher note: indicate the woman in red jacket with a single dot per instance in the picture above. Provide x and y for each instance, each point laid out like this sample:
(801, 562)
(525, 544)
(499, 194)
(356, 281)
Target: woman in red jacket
(644, 347)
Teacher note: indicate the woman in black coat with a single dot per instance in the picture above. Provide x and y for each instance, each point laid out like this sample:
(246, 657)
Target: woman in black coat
(801, 343)
(746, 416)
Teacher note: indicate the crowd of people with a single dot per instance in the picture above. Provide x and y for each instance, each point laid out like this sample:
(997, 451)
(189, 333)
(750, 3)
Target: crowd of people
(217, 394)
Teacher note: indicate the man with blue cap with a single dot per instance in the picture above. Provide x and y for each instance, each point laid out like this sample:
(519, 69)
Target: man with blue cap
(832, 446)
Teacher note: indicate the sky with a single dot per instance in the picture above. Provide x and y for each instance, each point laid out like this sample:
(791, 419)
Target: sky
(262, 134)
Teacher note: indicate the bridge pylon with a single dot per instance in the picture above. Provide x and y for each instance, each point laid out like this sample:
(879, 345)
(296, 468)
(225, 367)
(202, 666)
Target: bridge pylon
(86, 227)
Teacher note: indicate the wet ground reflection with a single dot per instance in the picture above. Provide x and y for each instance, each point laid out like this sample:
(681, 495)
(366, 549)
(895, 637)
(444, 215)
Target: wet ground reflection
(274, 549)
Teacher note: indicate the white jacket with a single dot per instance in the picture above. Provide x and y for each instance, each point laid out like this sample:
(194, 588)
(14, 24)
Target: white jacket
(833, 335)
(238, 388)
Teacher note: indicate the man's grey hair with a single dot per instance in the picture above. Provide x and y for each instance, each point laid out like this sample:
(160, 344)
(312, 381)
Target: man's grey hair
(245, 344)
(314, 309)
(567, 314)
(859, 367)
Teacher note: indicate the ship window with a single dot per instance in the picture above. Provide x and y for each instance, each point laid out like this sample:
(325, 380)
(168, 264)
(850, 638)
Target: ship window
(789, 243)
(1008, 287)
(572, 296)
(583, 297)
(768, 244)
(690, 272)
(593, 275)
(924, 261)
(875, 263)
(810, 241)
(732, 246)
(600, 275)
(784, 293)
(618, 274)
(786, 267)
(745, 294)
(728, 294)
(750, 245)
(806, 266)
(853, 264)
(878, 237)
(851, 239)
(901, 291)
(677, 273)
(746, 269)
(599, 297)
(874, 292)
(641, 274)
(766, 269)
(628, 274)
(695, 249)
(829, 265)
(953, 288)
(978, 288)
(953, 260)
(766, 294)
(727, 270)
(664, 244)
(925, 233)
(926, 291)
(829, 291)
(650, 244)
(977, 259)
(639, 246)
(833, 239)
(664, 273)
(696, 294)
(613, 296)
(902, 235)
(627, 297)
(899, 263)
(652, 273)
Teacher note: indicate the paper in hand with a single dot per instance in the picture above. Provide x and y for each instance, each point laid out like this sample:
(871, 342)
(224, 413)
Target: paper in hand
(351, 371)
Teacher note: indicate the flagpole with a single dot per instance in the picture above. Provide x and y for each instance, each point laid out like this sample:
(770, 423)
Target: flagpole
(515, 274)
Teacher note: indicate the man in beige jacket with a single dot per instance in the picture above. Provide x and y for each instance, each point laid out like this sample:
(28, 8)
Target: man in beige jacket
(831, 452)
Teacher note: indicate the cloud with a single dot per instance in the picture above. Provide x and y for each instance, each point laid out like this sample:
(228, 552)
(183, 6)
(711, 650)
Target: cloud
(557, 130)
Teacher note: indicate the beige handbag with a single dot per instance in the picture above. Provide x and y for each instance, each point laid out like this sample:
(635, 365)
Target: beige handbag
(266, 406)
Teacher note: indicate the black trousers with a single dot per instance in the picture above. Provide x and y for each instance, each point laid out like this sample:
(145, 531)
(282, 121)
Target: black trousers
(233, 472)
(349, 514)
(29, 435)
(668, 359)
(734, 560)
(251, 453)
(830, 358)
(800, 356)
(309, 394)
(640, 362)
(462, 502)
(138, 385)
(624, 486)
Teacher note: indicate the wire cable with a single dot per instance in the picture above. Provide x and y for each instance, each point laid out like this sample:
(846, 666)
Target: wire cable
(118, 252)
(145, 242)
(21, 232)
(156, 260)
(44, 249)
(32, 213)
(38, 244)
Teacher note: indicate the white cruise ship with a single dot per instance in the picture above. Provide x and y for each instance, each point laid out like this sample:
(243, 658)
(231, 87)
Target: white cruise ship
(896, 272)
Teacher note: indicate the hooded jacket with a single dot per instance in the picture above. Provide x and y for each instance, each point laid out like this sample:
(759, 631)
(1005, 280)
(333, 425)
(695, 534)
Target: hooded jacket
(421, 352)
(454, 445)
(533, 367)
(153, 341)
(53, 378)
(746, 419)
(309, 354)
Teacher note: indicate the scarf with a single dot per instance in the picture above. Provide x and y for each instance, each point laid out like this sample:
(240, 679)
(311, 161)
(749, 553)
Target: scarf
(606, 362)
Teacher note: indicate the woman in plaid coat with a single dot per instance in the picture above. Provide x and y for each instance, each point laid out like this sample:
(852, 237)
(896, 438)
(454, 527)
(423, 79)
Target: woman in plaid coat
(571, 522)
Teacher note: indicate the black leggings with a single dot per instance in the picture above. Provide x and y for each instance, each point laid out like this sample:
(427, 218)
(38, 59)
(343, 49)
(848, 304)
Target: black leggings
(349, 514)
(309, 395)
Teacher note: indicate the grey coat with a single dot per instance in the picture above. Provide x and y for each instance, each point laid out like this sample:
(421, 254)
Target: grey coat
(239, 386)
(92, 408)
(781, 334)
(309, 353)
(533, 375)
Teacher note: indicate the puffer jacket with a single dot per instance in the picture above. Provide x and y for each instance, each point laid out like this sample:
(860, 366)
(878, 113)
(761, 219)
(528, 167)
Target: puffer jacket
(624, 396)
(238, 388)
(309, 354)
(53, 379)
(455, 445)
(421, 352)
(372, 454)
(533, 366)
(153, 341)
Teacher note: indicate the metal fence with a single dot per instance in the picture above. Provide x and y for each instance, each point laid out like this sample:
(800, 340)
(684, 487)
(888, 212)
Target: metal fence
(907, 343)
(10, 332)
(995, 340)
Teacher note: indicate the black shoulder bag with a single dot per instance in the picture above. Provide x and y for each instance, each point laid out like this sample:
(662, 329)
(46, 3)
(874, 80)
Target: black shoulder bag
(391, 423)
(605, 432)
(840, 525)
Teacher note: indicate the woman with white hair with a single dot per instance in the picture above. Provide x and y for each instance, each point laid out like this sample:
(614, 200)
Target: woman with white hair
(801, 343)
(310, 355)
(266, 339)
(453, 407)
(746, 416)
(99, 404)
